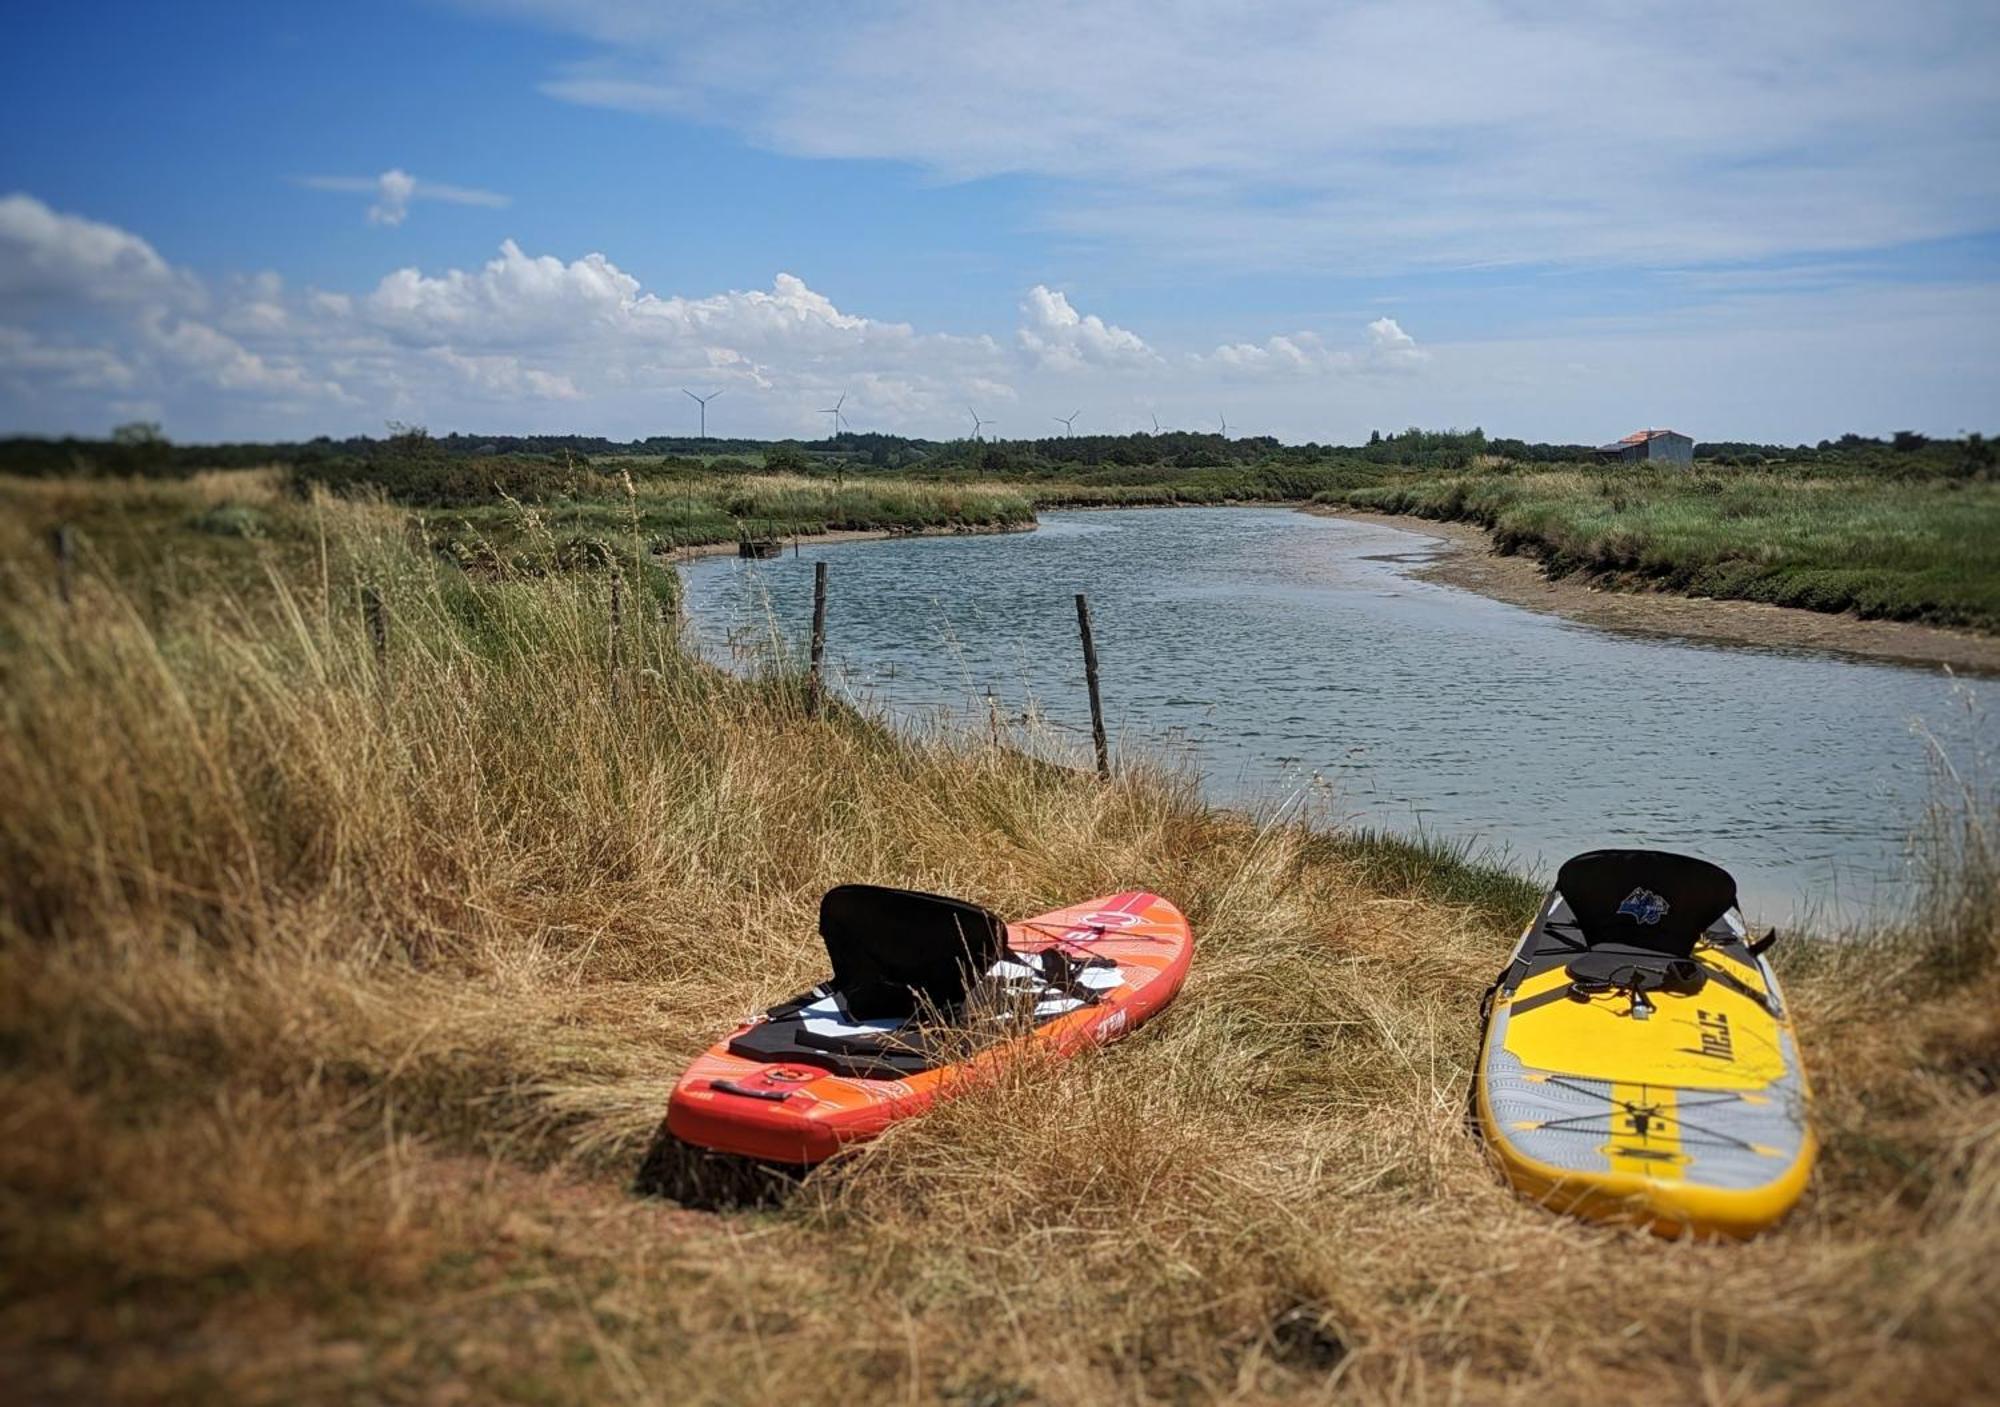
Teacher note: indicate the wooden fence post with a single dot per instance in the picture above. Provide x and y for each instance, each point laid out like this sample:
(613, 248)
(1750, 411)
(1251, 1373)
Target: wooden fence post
(818, 654)
(62, 542)
(378, 622)
(617, 619)
(1090, 679)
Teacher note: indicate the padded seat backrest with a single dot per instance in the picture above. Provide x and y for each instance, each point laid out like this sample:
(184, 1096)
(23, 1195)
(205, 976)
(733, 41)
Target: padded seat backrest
(892, 948)
(1645, 898)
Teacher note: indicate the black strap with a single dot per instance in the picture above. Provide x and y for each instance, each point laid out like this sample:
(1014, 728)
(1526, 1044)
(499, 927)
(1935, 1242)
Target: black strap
(1742, 988)
(1578, 944)
(1601, 970)
(1061, 972)
(1758, 948)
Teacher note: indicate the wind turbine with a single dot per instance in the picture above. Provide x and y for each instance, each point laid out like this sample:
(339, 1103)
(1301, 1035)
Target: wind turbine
(976, 421)
(1224, 420)
(1156, 423)
(834, 410)
(701, 401)
(1067, 422)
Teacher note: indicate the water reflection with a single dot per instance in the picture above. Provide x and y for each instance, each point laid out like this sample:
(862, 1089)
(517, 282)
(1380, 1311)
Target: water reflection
(1282, 654)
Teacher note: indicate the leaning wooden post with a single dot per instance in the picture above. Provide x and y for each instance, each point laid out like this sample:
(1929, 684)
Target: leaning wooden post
(378, 622)
(617, 618)
(818, 655)
(1090, 679)
(62, 542)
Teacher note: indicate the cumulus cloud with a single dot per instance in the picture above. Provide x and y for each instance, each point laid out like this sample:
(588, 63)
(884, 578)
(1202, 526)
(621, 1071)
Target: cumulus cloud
(396, 189)
(591, 327)
(454, 346)
(1390, 346)
(1059, 338)
(97, 325)
(46, 255)
(1301, 354)
(87, 309)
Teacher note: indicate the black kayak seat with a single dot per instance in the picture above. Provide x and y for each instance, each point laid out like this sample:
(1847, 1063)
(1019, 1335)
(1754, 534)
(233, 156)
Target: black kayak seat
(786, 1036)
(895, 950)
(1650, 900)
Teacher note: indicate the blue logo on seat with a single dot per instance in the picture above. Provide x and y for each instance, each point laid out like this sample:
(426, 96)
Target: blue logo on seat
(1644, 906)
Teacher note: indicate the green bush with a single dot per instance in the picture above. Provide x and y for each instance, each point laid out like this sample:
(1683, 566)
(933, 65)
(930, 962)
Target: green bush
(430, 480)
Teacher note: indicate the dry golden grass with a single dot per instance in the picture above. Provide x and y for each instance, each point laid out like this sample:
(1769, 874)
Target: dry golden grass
(339, 1001)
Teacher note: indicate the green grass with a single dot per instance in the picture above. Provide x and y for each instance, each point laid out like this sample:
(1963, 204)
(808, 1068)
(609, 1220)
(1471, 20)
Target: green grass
(690, 510)
(1919, 550)
(1438, 871)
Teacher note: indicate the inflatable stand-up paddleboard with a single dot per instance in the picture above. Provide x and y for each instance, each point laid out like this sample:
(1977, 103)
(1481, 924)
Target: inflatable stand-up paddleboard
(1639, 1064)
(926, 991)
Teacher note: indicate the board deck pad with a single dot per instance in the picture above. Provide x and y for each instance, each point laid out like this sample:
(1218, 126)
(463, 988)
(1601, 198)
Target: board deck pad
(1690, 1117)
(795, 1112)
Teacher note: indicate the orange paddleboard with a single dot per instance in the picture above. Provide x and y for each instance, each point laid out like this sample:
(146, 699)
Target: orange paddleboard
(1130, 951)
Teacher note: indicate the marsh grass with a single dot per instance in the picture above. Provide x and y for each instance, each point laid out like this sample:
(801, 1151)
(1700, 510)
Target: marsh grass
(686, 509)
(340, 997)
(1926, 550)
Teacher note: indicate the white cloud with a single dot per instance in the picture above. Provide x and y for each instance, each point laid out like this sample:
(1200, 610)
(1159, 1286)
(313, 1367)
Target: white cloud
(506, 376)
(1390, 346)
(103, 323)
(30, 364)
(1299, 354)
(593, 330)
(216, 359)
(1059, 338)
(514, 298)
(396, 189)
(483, 346)
(1364, 136)
(45, 255)
(88, 308)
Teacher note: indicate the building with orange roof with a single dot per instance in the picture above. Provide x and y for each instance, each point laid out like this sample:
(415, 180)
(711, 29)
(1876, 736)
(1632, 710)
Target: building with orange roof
(1653, 446)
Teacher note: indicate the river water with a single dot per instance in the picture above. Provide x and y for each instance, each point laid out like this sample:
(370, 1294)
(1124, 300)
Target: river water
(1297, 661)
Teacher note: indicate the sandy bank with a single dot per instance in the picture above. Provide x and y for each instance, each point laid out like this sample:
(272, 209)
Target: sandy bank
(1473, 565)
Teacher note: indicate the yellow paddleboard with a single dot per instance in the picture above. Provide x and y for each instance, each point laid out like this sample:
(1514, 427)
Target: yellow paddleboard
(1639, 1064)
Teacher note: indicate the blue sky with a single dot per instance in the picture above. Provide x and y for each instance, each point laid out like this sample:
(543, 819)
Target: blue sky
(1773, 222)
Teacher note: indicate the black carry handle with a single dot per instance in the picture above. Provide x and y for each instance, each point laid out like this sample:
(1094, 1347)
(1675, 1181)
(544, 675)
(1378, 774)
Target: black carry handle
(774, 1096)
(1758, 948)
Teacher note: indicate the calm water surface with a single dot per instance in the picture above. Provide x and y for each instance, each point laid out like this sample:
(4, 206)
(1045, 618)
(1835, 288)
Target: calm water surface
(1296, 660)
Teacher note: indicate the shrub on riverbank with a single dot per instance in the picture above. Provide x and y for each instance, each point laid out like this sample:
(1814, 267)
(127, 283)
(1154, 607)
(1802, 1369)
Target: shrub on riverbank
(1926, 550)
(340, 995)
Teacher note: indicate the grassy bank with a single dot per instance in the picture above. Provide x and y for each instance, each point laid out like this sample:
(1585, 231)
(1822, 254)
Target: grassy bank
(637, 520)
(1902, 528)
(340, 996)
(1903, 549)
(165, 537)
(687, 510)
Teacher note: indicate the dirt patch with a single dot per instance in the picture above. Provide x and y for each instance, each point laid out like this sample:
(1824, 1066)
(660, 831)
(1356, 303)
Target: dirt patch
(1473, 565)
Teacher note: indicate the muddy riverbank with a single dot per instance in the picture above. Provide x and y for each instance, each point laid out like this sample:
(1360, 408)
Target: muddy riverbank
(1473, 565)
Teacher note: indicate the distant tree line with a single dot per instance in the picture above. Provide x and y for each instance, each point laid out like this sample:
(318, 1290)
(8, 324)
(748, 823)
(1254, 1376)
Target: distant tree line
(412, 466)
